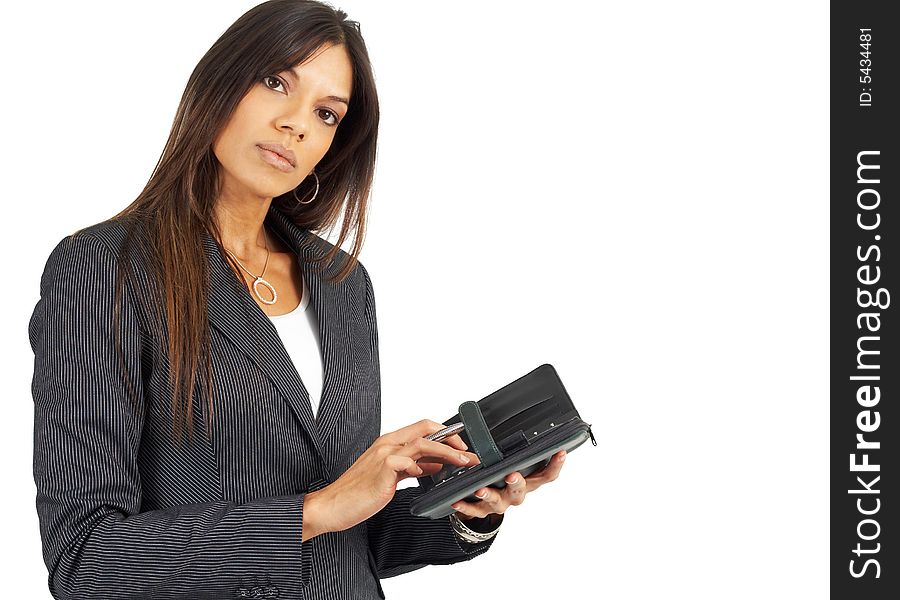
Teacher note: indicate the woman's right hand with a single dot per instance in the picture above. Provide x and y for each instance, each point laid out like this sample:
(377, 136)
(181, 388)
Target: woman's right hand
(370, 482)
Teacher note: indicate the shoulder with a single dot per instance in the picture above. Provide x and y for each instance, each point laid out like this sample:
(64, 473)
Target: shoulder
(85, 246)
(86, 259)
(357, 281)
(104, 238)
(111, 231)
(313, 248)
(78, 283)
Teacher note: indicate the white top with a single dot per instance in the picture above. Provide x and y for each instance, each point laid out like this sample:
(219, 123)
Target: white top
(299, 332)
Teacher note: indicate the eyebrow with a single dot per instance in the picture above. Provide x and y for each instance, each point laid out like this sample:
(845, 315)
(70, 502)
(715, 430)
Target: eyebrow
(294, 76)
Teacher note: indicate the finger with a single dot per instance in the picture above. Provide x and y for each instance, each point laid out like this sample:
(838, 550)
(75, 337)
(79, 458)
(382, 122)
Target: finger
(430, 468)
(428, 457)
(515, 490)
(492, 501)
(431, 461)
(456, 441)
(489, 496)
(408, 434)
(549, 473)
(477, 509)
(437, 452)
(403, 464)
(421, 429)
(552, 468)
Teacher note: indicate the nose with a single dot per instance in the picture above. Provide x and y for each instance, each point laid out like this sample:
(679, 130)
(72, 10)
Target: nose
(293, 129)
(294, 125)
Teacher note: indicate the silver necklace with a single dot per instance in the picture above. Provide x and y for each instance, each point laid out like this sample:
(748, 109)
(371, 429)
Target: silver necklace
(258, 279)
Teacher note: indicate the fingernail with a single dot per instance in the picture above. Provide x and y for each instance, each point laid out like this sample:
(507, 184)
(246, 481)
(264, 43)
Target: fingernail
(481, 493)
(464, 458)
(563, 457)
(514, 480)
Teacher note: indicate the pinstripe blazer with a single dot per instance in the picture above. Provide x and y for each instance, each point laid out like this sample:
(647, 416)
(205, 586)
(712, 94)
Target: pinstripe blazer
(125, 513)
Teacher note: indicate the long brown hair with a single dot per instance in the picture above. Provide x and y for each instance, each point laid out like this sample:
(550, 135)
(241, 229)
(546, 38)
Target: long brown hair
(169, 217)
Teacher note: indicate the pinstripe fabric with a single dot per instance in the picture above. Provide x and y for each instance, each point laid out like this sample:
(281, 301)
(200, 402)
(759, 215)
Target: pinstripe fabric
(124, 513)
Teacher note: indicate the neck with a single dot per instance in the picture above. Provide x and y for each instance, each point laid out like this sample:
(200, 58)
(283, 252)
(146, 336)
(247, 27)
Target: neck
(241, 226)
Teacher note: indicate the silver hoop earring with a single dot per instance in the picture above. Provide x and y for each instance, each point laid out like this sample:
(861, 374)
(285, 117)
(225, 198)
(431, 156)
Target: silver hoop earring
(316, 193)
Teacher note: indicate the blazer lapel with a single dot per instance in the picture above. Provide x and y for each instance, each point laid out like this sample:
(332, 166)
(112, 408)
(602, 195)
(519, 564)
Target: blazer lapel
(237, 315)
(332, 303)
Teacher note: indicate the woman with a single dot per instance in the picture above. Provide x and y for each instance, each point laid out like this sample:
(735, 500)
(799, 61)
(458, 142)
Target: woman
(178, 451)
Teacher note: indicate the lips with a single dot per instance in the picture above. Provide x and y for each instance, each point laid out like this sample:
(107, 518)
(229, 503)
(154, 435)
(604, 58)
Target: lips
(280, 150)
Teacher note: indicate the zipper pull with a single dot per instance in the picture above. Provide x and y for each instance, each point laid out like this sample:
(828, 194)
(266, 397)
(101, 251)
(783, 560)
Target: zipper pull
(592, 435)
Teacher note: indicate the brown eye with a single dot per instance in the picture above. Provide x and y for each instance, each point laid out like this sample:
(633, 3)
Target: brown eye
(269, 78)
(331, 119)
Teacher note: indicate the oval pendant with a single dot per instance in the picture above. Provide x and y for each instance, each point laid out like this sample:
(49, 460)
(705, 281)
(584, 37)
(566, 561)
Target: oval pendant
(260, 280)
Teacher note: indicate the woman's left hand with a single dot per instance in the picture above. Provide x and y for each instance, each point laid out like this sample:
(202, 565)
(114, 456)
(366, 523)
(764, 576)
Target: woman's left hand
(497, 501)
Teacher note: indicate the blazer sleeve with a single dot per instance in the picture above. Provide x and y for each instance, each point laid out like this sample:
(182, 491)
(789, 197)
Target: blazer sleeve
(96, 542)
(400, 541)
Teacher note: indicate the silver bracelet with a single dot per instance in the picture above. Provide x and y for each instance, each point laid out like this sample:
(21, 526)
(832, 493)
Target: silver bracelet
(469, 534)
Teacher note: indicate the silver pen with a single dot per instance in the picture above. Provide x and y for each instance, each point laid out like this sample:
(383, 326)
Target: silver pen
(439, 436)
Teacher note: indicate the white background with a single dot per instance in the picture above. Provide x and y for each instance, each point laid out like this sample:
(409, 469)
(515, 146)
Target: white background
(634, 192)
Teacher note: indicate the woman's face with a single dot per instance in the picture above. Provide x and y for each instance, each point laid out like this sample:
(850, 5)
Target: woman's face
(298, 109)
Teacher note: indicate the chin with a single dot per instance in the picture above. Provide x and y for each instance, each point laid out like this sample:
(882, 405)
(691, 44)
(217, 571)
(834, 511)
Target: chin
(266, 187)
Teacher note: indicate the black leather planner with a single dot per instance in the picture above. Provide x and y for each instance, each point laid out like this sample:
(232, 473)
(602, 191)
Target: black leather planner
(517, 428)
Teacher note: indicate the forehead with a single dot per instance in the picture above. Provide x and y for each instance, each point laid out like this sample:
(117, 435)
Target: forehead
(329, 69)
